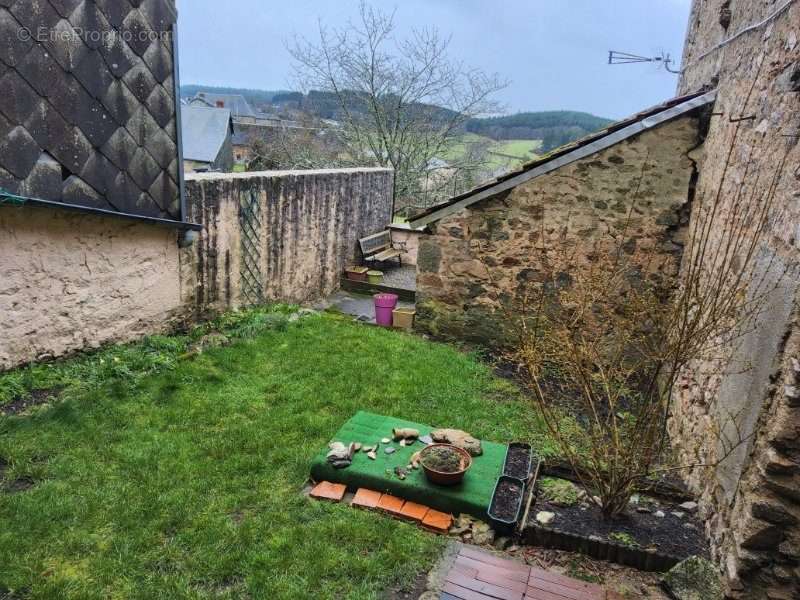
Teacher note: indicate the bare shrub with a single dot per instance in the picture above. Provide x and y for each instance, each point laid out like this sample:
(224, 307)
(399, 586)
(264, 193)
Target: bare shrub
(618, 335)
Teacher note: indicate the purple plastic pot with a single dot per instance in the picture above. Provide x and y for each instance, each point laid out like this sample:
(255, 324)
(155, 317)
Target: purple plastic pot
(384, 305)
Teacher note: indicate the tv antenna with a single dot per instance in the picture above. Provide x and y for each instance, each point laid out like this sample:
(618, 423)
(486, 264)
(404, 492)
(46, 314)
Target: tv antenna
(624, 58)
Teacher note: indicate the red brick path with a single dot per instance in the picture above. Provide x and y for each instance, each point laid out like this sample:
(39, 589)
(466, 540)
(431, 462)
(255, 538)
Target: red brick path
(478, 575)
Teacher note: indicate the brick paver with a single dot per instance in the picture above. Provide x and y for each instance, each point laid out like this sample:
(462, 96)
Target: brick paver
(391, 504)
(412, 511)
(479, 575)
(437, 521)
(365, 498)
(326, 490)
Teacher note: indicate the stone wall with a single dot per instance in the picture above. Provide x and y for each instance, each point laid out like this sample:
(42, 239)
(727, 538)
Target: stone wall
(69, 281)
(752, 499)
(309, 226)
(478, 257)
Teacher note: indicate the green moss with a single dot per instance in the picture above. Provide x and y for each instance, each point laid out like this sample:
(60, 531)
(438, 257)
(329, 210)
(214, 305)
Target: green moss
(429, 256)
(559, 491)
(623, 538)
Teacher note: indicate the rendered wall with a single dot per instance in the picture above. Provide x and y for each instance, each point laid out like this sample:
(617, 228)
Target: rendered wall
(479, 257)
(69, 281)
(752, 499)
(408, 241)
(309, 226)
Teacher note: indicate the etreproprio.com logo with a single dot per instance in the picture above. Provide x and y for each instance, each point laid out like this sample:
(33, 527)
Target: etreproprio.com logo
(71, 35)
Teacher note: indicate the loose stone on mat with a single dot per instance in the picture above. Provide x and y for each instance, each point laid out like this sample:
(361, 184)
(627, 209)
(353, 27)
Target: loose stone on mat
(390, 450)
(403, 443)
(340, 456)
(371, 455)
(385, 441)
(426, 439)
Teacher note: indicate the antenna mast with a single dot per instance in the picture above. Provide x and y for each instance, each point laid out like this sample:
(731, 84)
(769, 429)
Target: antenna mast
(625, 58)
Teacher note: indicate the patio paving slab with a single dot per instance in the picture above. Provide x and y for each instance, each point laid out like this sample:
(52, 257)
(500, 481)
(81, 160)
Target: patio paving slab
(359, 306)
(479, 575)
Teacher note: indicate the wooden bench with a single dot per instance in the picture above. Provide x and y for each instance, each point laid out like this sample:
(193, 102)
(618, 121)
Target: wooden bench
(379, 248)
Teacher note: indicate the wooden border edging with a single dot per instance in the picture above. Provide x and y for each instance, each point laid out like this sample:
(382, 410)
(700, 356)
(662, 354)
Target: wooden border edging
(637, 558)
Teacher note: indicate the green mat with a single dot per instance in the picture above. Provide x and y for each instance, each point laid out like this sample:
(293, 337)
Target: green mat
(472, 496)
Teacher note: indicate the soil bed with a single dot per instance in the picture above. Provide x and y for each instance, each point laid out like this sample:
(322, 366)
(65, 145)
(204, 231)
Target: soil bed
(22, 484)
(679, 536)
(410, 590)
(518, 462)
(506, 502)
(34, 398)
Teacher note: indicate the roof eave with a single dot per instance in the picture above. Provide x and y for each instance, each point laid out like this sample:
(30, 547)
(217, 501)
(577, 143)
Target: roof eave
(578, 153)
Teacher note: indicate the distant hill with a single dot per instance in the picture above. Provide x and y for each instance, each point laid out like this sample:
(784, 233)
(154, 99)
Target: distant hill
(554, 128)
(327, 105)
(253, 97)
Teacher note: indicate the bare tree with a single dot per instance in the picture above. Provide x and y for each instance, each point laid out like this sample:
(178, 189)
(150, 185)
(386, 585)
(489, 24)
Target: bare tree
(400, 102)
(306, 146)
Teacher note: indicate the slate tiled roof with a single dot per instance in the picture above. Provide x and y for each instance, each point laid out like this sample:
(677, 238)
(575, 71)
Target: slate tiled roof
(205, 130)
(241, 138)
(612, 134)
(237, 104)
(87, 103)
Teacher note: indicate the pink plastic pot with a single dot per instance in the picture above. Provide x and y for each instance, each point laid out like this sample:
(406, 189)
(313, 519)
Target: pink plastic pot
(384, 305)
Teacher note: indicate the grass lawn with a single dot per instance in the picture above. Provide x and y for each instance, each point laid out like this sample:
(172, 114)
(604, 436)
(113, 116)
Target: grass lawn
(159, 475)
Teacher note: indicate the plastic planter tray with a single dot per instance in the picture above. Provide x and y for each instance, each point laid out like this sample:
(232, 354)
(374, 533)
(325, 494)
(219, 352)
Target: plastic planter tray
(504, 526)
(638, 558)
(522, 446)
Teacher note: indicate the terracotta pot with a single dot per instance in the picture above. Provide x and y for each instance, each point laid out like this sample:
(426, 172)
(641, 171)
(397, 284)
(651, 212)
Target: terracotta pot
(440, 478)
(356, 273)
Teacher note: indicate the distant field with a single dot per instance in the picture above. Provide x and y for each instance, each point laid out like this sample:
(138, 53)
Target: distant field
(507, 154)
(525, 149)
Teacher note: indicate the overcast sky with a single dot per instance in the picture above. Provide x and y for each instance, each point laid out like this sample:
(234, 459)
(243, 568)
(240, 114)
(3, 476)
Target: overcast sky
(554, 52)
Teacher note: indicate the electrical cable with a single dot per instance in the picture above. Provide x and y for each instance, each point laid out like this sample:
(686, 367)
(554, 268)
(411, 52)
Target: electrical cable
(736, 36)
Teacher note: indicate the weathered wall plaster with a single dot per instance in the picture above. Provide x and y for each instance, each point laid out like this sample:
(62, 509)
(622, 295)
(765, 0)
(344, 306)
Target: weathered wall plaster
(310, 223)
(407, 240)
(752, 499)
(70, 281)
